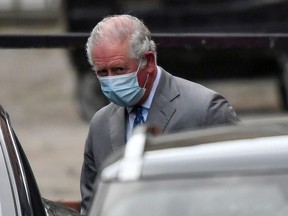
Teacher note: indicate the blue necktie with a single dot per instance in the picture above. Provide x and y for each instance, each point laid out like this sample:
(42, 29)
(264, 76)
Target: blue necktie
(139, 119)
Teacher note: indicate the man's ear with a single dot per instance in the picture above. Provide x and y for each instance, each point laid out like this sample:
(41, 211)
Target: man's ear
(151, 61)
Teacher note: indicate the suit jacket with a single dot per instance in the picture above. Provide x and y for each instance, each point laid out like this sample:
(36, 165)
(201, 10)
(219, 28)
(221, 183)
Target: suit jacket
(178, 104)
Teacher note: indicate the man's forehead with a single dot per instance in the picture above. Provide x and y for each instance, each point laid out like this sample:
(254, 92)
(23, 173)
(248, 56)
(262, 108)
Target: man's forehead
(110, 47)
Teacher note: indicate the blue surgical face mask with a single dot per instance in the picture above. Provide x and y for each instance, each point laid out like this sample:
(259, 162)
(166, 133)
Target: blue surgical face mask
(123, 90)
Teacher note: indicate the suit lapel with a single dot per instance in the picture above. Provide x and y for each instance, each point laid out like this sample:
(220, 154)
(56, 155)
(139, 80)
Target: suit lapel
(117, 128)
(162, 108)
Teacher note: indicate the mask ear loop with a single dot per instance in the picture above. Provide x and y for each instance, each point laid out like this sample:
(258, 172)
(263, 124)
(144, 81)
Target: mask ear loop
(147, 74)
(146, 81)
(146, 38)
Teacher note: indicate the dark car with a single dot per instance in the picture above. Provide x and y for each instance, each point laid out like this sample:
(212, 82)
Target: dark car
(19, 192)
(236, 170)
(187, 16)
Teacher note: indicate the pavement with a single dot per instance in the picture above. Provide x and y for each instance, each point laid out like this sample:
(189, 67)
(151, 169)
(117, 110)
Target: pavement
(37, 89)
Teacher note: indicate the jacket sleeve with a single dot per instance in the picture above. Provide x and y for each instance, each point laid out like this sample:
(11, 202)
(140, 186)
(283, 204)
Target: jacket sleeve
(220, 112)
(88, 175)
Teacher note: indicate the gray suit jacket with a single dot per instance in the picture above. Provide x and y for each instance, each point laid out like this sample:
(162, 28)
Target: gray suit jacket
(178, 104)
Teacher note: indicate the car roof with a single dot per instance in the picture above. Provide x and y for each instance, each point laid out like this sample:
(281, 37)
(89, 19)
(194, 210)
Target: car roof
(246, 148)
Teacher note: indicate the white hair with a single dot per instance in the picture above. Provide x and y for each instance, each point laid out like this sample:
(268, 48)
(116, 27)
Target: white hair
(121, 28)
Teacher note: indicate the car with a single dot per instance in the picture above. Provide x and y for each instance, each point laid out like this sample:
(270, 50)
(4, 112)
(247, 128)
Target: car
(229, 170)
(19, 193)
(187, 16)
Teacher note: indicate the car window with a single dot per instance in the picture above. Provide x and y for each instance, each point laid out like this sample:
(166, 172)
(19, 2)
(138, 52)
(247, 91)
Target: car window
(7, 205)
(231, 195)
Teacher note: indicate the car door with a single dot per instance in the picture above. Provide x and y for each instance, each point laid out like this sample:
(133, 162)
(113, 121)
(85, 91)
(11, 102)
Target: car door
(20, 194)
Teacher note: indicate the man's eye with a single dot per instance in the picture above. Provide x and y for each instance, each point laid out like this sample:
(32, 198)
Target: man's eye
(102, 72)
(119, 70)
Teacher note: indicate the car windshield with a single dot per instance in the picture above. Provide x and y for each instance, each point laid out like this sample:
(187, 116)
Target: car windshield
(246, 195)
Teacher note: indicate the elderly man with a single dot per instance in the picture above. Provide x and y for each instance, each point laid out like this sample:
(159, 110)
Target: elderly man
(123, 55)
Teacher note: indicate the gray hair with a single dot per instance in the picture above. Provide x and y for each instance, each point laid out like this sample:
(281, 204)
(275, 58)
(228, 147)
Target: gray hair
(121, 28)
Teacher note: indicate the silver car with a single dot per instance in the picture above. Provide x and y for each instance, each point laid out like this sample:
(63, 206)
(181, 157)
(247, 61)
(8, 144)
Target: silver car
(241, 170)
(19, 193)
